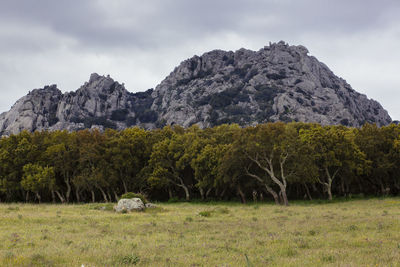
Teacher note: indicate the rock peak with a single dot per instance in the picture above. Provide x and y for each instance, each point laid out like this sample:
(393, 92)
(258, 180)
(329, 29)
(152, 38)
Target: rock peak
(94, 77)
(277, 83)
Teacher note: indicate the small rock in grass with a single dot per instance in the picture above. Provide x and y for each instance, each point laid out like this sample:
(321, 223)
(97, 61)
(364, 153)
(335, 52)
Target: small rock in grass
(127, 205)
(151, 205)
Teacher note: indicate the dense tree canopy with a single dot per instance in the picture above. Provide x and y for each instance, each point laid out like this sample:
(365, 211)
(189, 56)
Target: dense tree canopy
(275, 160)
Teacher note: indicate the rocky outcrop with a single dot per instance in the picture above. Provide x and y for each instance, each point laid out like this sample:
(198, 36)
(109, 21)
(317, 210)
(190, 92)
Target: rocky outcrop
(277, 83)
(35, 111)
(128, 205)
(99, 103)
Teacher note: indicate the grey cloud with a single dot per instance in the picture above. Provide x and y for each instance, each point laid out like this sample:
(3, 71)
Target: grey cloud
(149, 24)
(45, 41)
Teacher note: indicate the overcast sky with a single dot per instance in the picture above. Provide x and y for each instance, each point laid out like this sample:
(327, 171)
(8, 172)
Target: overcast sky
(140, 42)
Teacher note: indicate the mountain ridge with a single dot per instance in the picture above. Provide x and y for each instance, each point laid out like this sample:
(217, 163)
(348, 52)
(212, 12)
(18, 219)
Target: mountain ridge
(276, 83)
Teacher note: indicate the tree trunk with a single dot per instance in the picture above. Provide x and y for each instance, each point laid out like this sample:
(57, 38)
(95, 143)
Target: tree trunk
(307, 191)
(186, 192)
(115, 195)
(284, 196)
(38, 196)
(170, 193)
(329, 183)
(103, 193)
(254, 196)
(343, 191)
(201, 193)
(27, 196)
(60, 196)
(242, 195)
(68, 193)
(93, 196)
(125, 186)
(273, 193)
(208, 192)
(109, 195)
(78, 197)
(221, 196)
(329, 190)
(53, 196)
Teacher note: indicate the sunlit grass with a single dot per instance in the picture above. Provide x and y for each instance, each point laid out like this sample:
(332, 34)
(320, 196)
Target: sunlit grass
(354, 233)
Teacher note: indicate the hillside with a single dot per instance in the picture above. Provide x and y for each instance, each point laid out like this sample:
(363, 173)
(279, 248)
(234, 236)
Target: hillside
(277, 83)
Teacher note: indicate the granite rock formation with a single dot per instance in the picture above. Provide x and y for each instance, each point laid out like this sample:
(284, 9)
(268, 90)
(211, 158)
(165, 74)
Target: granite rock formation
(277, 83)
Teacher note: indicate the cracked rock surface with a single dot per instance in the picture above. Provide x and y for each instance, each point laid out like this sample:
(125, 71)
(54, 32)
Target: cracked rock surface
(277, 83)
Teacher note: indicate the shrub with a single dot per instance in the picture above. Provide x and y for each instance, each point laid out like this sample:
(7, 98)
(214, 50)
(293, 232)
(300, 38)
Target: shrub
(148, 116)
(205, 213)
(119, 115)
(312, 232)
(222, 210)
(328, 258)
(130, 195)
(173, 200)
(127, 260)
(40, 260)
(352, 228)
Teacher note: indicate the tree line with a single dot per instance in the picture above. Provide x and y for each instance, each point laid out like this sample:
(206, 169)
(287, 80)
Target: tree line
(277, 161)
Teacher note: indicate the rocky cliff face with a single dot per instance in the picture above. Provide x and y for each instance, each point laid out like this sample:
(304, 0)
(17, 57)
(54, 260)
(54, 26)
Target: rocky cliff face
(276, 83)
(99, 103)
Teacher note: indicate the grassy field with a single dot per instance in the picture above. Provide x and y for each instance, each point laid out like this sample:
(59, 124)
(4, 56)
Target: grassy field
(351, 233)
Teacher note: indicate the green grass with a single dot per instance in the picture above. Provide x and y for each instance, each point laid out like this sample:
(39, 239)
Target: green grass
(347, 233)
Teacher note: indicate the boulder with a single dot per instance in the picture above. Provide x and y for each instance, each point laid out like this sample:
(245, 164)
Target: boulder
(150, 205)
(128, 205)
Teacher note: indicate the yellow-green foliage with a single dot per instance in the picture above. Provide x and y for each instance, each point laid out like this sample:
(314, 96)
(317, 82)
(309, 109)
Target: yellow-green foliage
(353, 233)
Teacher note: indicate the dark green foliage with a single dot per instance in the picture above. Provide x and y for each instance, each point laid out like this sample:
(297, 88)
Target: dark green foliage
(300, 100)
(89, 121)
(229, 60)
(276, 76)
(251, 74)
(220, 100)
(76, 120)
(126, 260)
(130, 121)
(205, 213)
(148, 116)
(344, 122)
(135, 195)
(298, 81)
(142, 101)
(52, 119)
(119, 114)
(213, 117)
(173, 200)
(193, 65)
(232, 95)
(113, 87)
(203, 101)
(284, 118)
(265, 93)
(204, 73)
(242, 72)
(183, 82)
(88, 165)
(234, 110)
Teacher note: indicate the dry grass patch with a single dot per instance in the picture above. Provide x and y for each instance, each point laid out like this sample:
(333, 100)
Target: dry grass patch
(354, 233)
